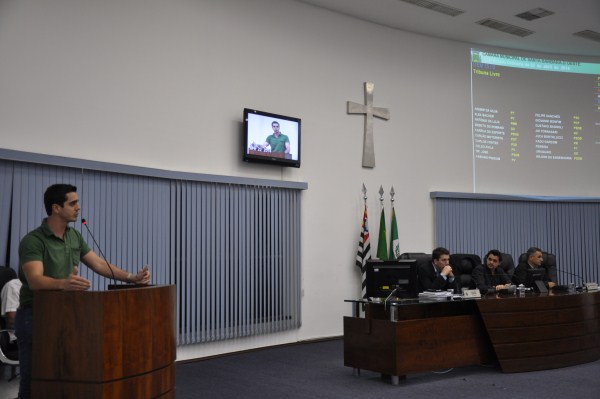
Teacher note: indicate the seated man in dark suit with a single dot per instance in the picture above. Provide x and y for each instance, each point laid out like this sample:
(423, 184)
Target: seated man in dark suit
(490, 278)
(534, 259)
(437, 274)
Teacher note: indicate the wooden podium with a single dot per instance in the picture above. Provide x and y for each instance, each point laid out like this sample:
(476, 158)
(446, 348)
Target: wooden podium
(104, 344)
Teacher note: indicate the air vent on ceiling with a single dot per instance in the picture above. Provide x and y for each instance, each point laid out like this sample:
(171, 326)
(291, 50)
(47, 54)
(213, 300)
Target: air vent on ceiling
(435, 6)
(536, 13)
(504, 27)
(589, 34)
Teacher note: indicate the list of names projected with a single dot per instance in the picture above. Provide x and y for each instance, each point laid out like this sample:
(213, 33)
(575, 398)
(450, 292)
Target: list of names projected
(489, 133)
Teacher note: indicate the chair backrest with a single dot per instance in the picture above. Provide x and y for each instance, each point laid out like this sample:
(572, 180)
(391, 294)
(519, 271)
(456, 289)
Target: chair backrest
(507, 264)
(420, 257)
(462, 266)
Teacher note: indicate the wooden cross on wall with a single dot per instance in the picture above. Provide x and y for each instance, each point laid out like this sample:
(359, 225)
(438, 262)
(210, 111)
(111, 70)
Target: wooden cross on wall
(369, 111)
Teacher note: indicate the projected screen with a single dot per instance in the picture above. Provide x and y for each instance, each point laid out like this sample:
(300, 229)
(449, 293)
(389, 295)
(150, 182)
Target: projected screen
(536, 123)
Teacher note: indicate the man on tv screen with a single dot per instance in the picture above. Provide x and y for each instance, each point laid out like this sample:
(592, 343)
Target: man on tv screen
(278, 141)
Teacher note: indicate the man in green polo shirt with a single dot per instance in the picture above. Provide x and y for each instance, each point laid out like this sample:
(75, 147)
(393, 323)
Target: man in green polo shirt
(278, 141)
(49, 257)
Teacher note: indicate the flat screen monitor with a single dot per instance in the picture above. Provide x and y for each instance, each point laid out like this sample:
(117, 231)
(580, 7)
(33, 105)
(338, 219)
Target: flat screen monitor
(535, 279)
(382, 277)
(271, 138)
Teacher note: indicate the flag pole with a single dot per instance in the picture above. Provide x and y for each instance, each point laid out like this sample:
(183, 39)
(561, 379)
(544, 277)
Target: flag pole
(394, 241)
(364, 247)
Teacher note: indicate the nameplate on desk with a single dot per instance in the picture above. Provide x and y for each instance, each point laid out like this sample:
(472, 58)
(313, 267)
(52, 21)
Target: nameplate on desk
(591, 286)
(471, 293)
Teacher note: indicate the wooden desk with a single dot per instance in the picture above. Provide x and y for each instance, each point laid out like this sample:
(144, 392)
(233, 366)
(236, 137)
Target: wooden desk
(543, 332)
(522, 334)
(432, 336)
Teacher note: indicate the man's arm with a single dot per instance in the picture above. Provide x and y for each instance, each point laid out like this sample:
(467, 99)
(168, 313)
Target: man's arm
(424, 281)
(520, 275)
(479, 278)
(34, 273)
(100, 266)
(287, 147)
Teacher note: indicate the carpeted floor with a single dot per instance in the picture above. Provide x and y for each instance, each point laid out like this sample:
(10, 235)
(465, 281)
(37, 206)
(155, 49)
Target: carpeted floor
(316, 370)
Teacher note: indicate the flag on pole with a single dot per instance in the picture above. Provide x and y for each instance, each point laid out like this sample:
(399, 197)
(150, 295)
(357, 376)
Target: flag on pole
(394, 242)
(364, 250)
(382, 252)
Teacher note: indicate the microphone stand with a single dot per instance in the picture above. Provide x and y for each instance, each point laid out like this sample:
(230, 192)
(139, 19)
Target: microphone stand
(112, 273)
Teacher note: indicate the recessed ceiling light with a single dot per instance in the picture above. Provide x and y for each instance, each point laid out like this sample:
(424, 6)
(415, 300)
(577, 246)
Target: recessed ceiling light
(589, 34)
(536, 13)
(435, 6)
(504, 27)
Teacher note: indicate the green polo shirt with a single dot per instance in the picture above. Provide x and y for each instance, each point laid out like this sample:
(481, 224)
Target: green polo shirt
(277, 143)
(58, 256)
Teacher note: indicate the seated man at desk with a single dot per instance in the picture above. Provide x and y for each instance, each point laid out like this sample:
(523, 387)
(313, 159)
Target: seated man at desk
(437, 274)
(489, 277)
(534, 259)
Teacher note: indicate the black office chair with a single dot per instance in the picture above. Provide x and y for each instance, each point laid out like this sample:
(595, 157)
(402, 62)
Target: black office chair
(462, 266)
(548, 262)
(9, 351)
(507, 264)
(420, 257)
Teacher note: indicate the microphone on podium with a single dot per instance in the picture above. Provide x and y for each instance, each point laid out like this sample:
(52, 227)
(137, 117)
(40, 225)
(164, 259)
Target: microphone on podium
(112, 273)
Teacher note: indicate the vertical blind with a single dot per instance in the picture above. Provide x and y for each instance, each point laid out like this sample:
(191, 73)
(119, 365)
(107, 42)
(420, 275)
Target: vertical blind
(232, 250)
(569, 229)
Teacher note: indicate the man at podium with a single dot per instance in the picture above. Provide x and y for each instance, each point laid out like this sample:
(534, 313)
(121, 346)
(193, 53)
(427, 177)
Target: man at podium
(49, 257)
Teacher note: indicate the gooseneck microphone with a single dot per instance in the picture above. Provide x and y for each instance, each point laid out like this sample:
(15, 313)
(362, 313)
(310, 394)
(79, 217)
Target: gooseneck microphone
(567, 273)
(112, 273)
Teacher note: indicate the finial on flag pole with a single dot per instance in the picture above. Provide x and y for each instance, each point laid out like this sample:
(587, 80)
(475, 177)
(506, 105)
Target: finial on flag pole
(392, 193)
(382, 251)
(364, 190)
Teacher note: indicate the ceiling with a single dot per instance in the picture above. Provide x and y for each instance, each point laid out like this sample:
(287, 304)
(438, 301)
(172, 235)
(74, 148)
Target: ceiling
(552, 34)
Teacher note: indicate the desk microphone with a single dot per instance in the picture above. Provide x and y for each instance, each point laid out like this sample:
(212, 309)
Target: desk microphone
(112, 273)
(564, 272)
(389, 296)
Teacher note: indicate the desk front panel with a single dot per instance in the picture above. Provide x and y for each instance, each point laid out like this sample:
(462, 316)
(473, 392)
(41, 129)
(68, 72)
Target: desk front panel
(426, 337)
(543, 332)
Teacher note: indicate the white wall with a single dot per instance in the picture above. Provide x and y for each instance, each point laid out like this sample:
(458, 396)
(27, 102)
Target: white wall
(162, 84)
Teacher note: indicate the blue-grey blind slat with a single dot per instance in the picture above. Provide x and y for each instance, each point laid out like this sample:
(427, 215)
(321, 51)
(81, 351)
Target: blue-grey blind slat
(6, 182)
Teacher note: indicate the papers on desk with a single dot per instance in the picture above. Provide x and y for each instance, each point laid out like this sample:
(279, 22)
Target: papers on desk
(436, 295)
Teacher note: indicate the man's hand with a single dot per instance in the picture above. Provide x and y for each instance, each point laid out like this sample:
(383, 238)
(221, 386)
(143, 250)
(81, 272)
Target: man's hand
(75, 282)
(143, 276)
(447, 271)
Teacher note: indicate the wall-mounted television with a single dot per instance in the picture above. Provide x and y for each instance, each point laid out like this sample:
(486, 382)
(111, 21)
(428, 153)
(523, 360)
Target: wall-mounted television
(271, 138)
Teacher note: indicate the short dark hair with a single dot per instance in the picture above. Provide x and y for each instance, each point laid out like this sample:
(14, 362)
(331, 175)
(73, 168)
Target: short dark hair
(532, 250)
(439, 251)
(57, 194)
(494, 252)
(274, 122)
